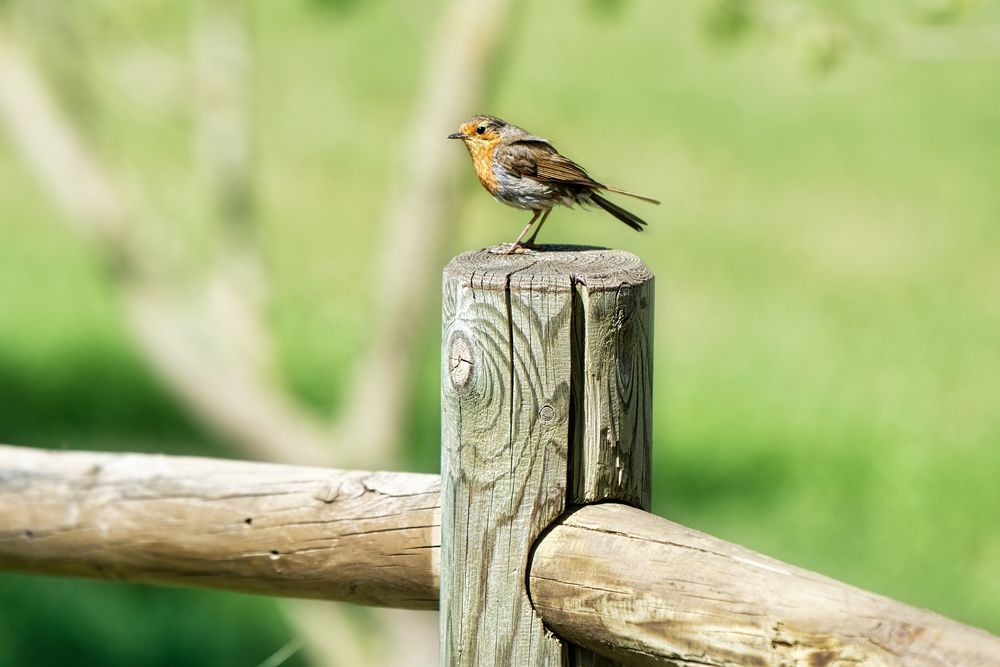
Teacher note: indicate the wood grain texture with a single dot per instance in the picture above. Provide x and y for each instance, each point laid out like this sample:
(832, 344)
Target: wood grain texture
(505, 425)
(613, 384)
(539, 367)
(644, 590)
(366, 537)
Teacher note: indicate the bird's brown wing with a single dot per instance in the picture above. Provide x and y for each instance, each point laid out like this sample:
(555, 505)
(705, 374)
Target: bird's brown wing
(539, 160)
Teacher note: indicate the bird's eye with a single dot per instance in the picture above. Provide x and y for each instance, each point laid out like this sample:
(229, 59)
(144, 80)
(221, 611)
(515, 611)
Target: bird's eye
(480, 129)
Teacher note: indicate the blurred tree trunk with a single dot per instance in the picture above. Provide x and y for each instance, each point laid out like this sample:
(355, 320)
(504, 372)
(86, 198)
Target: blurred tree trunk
(461, 67)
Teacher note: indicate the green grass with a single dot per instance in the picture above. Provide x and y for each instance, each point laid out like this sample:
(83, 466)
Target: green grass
(71, 622)
(827, 270)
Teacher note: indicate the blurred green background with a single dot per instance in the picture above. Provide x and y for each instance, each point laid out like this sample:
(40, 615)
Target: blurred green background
(827, 378)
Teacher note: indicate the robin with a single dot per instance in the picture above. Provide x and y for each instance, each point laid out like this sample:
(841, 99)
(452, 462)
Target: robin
(527, 172)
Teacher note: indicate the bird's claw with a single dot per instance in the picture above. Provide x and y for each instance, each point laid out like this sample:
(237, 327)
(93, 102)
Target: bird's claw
(512, 249)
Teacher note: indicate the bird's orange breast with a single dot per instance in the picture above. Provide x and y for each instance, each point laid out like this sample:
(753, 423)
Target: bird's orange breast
(482, 160)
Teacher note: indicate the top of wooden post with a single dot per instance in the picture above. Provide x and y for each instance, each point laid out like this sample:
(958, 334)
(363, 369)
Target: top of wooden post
(608, 297)
(551, 263)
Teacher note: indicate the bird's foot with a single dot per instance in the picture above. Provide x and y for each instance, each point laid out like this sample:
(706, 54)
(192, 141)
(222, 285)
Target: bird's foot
(512, 249)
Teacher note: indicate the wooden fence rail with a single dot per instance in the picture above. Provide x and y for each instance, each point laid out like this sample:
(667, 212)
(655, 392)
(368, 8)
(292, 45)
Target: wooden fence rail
(612, 578)
(370, 538)
(634, 586)
(534, 542)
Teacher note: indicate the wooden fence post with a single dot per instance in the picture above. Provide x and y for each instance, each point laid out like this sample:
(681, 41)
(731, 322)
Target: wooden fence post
(546, 402)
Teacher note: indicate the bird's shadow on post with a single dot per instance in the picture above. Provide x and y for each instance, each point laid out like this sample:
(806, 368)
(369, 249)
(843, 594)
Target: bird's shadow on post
(547, 248)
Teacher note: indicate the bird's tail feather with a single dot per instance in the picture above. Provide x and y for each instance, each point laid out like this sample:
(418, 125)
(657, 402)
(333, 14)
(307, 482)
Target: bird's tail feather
(632, 194)
(630, 219)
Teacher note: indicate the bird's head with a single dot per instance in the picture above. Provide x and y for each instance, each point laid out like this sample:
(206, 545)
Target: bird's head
(479, 132)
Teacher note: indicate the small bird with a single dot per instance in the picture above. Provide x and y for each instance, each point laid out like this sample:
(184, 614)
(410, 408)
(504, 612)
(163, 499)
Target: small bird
(527, 172)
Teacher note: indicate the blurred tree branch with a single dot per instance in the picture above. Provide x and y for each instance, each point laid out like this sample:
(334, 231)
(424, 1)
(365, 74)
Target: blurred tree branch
(420, 211)
(69, 174)
(186, 334)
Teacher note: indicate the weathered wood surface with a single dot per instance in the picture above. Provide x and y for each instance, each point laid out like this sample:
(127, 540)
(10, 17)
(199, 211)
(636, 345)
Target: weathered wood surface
(545, 399)
(505, 428)
(612, 381)
(366, 537)
(647, 591)
(545, 370)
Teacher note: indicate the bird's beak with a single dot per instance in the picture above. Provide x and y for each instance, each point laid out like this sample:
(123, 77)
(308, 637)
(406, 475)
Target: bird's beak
(456, 135)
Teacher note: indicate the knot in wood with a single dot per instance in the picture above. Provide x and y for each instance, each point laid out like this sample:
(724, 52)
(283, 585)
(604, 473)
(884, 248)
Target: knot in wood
(460, 361)
(547, 413)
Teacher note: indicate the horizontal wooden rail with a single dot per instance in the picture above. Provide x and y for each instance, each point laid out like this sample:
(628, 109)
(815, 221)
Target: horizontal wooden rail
(633, 586)
(614, 579)
(366, 537)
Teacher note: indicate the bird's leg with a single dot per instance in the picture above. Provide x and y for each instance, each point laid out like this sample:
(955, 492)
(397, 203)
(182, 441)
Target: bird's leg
(515, 244)
(530, 242)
